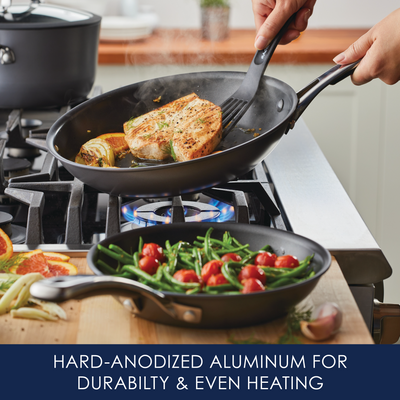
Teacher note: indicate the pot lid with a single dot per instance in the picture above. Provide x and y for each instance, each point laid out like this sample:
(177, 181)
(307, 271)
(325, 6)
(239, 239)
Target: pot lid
(38, 16)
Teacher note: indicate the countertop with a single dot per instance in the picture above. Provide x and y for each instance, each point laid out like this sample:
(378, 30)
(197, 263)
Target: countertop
(186, 47)
(102, 320)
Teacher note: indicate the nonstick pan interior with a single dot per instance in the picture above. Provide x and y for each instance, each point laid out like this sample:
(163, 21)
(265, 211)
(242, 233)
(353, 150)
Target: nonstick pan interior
(255, 136)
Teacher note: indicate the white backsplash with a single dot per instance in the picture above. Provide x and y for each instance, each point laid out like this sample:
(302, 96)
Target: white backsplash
(186, 13)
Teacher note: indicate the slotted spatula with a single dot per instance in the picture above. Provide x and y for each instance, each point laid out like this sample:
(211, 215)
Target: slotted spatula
(235, 106)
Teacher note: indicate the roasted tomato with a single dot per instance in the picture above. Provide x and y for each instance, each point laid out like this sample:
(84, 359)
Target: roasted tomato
(252, 285)
(252, 271)
(287, 261)
(266, 259)
(231, 257)
(213, 267)
(149, 264)
(215, 280)
(153, 250)
(186, 275)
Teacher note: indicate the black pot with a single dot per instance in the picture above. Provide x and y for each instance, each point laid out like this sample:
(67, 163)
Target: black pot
(48, 55)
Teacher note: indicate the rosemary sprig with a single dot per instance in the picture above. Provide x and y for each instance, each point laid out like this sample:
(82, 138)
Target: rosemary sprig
(292, 329)
(293, 326)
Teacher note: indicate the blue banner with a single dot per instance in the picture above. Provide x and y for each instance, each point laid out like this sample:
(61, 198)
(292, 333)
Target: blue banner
(198, 371)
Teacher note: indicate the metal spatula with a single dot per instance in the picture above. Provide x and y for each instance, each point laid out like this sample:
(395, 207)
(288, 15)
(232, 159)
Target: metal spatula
(235, 106)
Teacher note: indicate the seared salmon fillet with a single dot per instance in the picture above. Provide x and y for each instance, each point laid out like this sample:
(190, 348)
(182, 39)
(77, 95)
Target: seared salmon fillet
(186, 128)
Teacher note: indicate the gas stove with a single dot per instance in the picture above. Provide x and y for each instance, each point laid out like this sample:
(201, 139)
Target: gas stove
(294, 188)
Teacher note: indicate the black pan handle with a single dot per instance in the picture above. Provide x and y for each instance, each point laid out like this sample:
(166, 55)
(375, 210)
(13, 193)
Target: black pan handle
(330, 77)
(62, 288)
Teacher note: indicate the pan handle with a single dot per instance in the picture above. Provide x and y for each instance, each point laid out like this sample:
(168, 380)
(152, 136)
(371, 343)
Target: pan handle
(330, 77)
(62, 288)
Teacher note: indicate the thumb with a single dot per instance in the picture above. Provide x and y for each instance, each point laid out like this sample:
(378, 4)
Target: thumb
(355, 51)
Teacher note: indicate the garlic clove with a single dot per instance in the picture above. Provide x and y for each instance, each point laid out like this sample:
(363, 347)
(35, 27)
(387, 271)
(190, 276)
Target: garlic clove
(325, 322)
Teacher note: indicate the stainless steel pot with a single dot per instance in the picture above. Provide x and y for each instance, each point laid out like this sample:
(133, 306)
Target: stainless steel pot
(48, 55)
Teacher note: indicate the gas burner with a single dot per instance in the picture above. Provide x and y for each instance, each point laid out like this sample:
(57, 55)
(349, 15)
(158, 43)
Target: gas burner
(16, 233)
(16, 167)
(141, 213)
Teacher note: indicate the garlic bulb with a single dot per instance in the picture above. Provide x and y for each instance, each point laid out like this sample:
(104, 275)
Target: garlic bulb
(325, 322)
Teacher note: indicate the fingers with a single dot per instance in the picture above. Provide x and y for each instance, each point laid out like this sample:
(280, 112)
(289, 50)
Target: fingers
(270, 20)
(355, 52)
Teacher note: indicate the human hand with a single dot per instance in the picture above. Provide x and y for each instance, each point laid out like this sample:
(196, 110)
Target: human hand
(379, 50)
(271, 15)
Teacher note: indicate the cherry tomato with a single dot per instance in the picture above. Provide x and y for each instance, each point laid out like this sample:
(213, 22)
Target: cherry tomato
(231, 257)
(186, 275)
(149, 264)
(252, 285)
(217, 279)
(266, 259)
(252, 271)
(153, 250)
(287, 261)
(213, 267)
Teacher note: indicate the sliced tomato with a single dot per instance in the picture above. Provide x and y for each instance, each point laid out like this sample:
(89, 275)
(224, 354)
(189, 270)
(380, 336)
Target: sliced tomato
(252, 271)
(186, 275)
(252, 285)
(287, 261)
(231, 257)
(153, 250)
(149, 264)
(217, 279)
(266, 259)
(213, 267)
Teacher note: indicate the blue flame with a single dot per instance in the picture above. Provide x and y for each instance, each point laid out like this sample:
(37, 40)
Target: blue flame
(226, 213)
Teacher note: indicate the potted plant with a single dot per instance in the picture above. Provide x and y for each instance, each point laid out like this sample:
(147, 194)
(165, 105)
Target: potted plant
(214, 19)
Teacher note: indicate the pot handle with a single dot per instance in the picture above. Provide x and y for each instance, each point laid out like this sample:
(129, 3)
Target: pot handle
(62, 288)
(330, 77)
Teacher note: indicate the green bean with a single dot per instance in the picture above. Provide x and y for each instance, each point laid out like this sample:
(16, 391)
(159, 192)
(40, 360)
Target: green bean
(227, 238)
(219, 288)
(173, 257)
(295, 272)
(158, 275)
(199, 245)
(119, 250)
(140, 246)
(232, 249)
(115, 256)
(231, 278)
(198, 261)
(194, 290)
(207, 244)
(136, 257)
(104, 267)
(138, 272)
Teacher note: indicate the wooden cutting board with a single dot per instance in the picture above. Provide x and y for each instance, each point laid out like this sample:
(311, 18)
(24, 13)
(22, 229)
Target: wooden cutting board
(102, 320)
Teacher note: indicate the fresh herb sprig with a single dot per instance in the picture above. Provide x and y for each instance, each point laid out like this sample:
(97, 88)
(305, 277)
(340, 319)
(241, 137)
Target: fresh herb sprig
(5, 265)
(292, 329)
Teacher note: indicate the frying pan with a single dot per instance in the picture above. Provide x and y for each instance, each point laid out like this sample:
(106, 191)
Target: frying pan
(274, 111)
(196, 310)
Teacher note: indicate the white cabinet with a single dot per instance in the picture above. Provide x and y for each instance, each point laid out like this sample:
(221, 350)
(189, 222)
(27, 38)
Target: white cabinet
(356, 128)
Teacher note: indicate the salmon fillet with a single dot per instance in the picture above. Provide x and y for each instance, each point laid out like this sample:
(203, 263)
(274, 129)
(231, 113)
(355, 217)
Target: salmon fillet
(186, 128)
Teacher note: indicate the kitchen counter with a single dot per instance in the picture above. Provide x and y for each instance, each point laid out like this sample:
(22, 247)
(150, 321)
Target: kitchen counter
(102, 320)
(187, 48)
